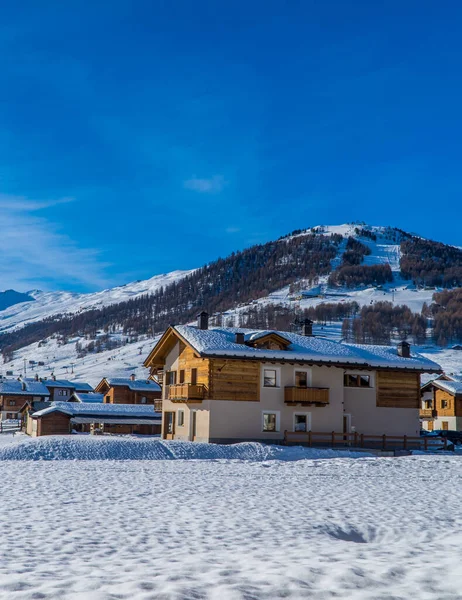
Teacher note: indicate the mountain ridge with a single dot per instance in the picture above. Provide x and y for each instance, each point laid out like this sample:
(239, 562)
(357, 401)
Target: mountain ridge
(295, 272)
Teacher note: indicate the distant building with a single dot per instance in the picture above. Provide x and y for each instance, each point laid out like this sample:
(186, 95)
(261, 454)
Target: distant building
(14, 393)
(129, 390)
(441, 406)
(61, 418)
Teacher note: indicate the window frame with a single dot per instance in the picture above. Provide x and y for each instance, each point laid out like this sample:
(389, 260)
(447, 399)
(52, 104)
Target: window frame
(277, 414)
(358, 377)
(309, 377)
(180, 418)
(171, 375)
(277, 374)
(308, 420)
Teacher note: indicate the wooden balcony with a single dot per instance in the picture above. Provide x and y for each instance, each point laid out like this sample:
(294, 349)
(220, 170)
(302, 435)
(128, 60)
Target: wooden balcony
(309, 395)
(427, 413)
(186, 392)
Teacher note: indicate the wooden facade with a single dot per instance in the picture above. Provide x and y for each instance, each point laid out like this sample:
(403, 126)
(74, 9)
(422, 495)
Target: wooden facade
(235, 380)
(121, 394)
(398, 389)
(55, 423)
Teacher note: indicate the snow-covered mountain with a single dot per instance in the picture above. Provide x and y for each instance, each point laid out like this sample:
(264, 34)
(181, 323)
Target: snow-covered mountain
(384, 248)
(48, 304)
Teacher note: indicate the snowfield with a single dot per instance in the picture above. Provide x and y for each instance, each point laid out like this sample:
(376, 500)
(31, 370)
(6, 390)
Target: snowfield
(234, 528)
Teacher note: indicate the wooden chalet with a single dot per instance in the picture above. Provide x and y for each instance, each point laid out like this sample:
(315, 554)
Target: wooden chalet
(129, 390)
(441, 404)
(62, 418)
(231, 384)
(14, 393)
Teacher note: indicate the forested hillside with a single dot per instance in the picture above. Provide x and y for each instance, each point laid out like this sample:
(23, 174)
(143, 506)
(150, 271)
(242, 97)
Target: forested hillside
(218, 286)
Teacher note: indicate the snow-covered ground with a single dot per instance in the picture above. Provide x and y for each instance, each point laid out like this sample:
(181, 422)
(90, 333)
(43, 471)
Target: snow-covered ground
(227, 529)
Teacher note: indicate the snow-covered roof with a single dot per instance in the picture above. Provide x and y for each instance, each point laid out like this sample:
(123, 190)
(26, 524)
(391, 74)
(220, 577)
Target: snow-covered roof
(220, 342)
(137, 385)
(453, 387)
(82, 386)
(65, 383)
(101, 410)
(88, 397)
(13, 387)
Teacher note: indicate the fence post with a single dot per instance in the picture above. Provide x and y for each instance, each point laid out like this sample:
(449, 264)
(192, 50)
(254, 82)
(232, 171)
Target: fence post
(445, 443)
(356, 438)
(362, 440)
(310, 442)
(333, 439)
(384, 442)
(405, 442)
(425, 443)
(285, 437)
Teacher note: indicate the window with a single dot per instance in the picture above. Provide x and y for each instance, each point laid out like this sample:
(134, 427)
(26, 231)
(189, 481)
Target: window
(182, 376)
(302, 422)
(107, 399)
(62, 393)
(428, 404)
(193, 376)
(444, 404)
(143, 400)
(269, 378)
(270, 422)
(180, 418)
(350, 380)
(301, 379)
(171, 377)
(12, 403)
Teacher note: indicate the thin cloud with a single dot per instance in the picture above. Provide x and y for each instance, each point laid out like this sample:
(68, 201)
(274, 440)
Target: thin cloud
(213, 185)
(19, 203)
(233, 229)
(34, 253)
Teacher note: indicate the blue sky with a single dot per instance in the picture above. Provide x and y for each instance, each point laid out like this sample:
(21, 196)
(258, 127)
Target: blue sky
(141, 137)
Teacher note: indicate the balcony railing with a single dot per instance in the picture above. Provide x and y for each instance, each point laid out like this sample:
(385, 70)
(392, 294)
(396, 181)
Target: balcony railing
(308, 395)
(184, 392)
(427, 413)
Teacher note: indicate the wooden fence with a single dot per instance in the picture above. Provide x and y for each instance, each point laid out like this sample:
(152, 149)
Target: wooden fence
(362, 440)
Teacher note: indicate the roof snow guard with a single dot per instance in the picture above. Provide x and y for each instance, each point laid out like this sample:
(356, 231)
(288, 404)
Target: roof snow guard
(221, 343)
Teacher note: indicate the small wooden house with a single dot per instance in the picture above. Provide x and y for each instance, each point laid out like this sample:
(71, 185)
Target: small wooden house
(129, 390)
(442, 404)
(14, 393)
(61, 418)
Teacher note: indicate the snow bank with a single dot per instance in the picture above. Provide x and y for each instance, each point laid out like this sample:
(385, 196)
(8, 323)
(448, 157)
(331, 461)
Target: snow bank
(132, 448)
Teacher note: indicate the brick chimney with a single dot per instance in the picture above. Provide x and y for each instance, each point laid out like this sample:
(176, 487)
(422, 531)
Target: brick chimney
(132, 377)
(203, 320)
(36, 377)
(23, 386)
(307, 327)
(404, 349)
(239, 338)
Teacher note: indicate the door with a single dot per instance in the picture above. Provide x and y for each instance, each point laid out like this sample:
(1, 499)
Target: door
(346, 427)
(193, 376)
(444, 425)
(169, 428)
(193, 425)
(430, 425)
